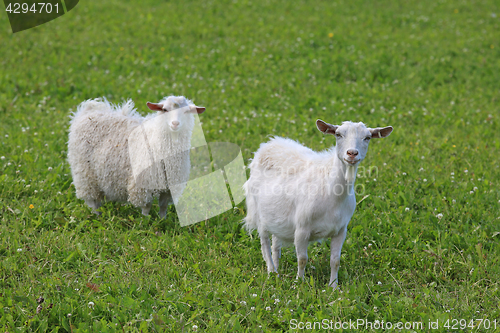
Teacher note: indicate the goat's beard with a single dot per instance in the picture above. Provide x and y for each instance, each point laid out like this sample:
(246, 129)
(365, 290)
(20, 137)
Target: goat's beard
(350, 173)
(175, 137)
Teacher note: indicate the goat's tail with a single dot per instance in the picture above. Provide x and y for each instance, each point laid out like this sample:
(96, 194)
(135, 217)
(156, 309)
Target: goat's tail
(92, 105)
(128, 108)
(251, 220)
(103, 105)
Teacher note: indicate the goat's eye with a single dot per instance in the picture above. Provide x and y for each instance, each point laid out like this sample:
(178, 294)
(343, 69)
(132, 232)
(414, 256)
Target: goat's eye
(338, 135)
(367, 138)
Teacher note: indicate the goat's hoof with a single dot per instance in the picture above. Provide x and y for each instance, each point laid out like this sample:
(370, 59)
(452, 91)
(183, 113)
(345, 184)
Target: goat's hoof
(335, 286)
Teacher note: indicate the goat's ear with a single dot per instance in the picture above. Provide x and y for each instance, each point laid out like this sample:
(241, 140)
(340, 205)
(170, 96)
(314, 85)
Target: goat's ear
(155, 106)
(380, 132)
(196, 109)
(326, 127)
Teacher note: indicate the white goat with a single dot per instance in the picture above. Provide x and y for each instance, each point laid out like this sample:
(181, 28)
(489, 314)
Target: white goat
(108, 145)
(298, 195)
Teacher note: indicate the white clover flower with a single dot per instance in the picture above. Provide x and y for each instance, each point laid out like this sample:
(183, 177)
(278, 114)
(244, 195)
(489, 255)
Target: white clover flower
(421, 169)
(195, 328)
(268, 308)
(91, 304)
(276, 301)
(439, 216)
(69, 315)
(19, 250)
(254, 295)
(252, 308)
(425, 180)
(404, 173)
(379, 283)
(453, 174)
(6, 135)
(454, 201)
(407, 209)
(474, 189)
(243, 303)
(466, 170)
(2, 158)
(50, 168)
(471, 192)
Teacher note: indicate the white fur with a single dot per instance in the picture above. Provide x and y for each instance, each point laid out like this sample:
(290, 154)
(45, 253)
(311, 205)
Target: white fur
(298, 195)
(108, 144)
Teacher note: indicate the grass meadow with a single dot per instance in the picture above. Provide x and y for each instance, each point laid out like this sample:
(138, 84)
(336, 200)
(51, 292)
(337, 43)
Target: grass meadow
(423, 245)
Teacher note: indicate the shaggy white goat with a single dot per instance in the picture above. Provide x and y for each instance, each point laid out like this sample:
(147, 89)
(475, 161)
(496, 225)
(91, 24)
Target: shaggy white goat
(298, 195)
(115, 153)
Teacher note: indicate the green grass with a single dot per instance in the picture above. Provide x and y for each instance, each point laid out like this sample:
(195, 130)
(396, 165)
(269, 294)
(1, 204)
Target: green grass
(428, 68)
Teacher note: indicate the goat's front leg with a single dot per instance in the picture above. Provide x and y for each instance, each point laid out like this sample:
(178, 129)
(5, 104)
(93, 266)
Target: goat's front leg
(335, 249)
(276, 247)
(301, 241)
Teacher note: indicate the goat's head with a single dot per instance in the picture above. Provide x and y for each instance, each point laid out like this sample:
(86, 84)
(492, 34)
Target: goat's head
(352, 139)
(176, 110)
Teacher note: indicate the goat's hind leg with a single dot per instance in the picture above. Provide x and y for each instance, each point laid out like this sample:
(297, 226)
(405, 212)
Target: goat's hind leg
(266, 250)
(95, 204)
(164, 200)
(276, 247)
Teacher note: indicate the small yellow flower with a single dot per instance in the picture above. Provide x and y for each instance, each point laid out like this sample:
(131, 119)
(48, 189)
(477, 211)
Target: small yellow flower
(453, 146)
(31, 206)
(456, 11)
(121, 48)
(492, 46)
(330, 34)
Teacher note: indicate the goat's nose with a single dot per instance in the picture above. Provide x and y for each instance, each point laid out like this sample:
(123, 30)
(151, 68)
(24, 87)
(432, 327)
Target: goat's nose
(352, 152)
(175, 123)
